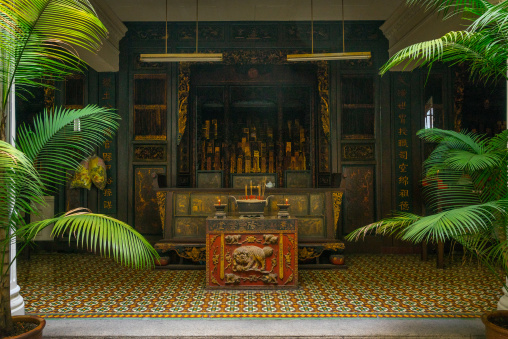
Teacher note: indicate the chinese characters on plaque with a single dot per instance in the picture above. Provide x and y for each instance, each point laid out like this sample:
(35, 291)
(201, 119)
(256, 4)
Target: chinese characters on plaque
(108, 196)
(402, 152)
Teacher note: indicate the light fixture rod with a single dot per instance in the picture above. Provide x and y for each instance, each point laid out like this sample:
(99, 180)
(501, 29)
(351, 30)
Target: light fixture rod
(312, 25)
(197, 23)
(343, 39)
(166, 27)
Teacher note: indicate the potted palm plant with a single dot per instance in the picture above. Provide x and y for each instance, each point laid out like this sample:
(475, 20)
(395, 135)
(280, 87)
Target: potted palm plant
(465, 187)
(466, 175)
(35, 42)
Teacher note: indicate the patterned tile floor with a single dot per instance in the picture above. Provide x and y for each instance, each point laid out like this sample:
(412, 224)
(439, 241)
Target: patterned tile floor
(83, 285)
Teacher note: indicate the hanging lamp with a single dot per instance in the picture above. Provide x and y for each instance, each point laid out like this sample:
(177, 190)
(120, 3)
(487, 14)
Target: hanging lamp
(181, 57)
(327, 56)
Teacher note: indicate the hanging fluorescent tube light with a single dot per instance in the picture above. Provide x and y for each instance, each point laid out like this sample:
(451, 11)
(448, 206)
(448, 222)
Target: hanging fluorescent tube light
(327, 56)
(181, 57)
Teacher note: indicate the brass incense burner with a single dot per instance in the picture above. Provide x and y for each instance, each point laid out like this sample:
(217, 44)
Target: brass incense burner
(251, 207)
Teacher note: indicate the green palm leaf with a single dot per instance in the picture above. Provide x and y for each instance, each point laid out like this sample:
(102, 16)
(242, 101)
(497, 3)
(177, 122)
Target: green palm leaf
(37, 40)
(54, 146)
(388, 226)
(101, 234)
(20, 186)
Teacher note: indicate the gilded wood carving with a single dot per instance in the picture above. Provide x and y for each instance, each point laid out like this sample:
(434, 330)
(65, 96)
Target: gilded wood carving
(254, 57)
(161, 201)
(337, 204)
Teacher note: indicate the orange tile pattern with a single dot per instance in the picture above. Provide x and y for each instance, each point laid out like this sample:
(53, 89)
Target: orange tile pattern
(85, 285)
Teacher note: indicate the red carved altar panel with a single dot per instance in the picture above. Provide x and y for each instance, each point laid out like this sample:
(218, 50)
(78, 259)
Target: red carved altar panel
(251, 254)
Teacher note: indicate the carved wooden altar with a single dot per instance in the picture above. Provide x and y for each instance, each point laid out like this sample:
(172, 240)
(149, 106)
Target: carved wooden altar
(251, 253)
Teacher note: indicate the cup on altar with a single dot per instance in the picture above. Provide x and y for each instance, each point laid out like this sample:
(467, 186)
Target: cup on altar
(283, 210)
(220, 210)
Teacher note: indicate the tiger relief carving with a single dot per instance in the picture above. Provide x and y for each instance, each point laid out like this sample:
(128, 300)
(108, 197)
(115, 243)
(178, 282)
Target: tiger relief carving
(250, 258)
(232, 239)
(270, 239)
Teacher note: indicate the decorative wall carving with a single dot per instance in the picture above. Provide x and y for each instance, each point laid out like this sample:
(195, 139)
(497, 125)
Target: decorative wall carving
(253, 57)
(153, 153)
(337, 205)
(149, 31)
(301, 32)
(254, 32)
(206, 32)
(323, 85)
(161, 202)
(357, 152)
(146, 205)
(183, 97)
(359, 205)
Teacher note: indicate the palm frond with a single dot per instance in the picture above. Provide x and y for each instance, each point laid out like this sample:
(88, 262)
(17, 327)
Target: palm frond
(38, 36)
(54, 146)
(482, 52)
(395, 224)
(20, 186)
(100, 234)
(456, 222)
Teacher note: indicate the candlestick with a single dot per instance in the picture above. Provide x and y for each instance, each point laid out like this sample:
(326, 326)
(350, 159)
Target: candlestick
(251, 187)
(245, 191)
(259, 190)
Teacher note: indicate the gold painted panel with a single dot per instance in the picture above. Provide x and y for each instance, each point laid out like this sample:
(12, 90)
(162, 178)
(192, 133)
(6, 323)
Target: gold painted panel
(146, 206)
(299, 204)
(182, 204)
(317, 204)
(202, 204)
(311, 227)
(241, 180)
(189, 227)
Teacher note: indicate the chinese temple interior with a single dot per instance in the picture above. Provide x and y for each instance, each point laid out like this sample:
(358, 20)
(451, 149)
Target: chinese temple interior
(334, 137)
(260, 163)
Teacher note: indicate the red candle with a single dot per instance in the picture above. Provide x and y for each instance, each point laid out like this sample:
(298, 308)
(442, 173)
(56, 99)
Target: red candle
(219, 201)
(286, 201)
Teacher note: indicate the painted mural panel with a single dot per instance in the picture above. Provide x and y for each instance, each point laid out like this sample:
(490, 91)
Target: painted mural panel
(188, 227)
(182, 203)
(317, 204)
(311, 227)
(146, 209)
(202, 204)
(299, 204)
(359, 190)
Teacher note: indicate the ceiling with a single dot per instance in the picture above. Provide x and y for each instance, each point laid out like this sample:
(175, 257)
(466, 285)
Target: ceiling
(252, 10)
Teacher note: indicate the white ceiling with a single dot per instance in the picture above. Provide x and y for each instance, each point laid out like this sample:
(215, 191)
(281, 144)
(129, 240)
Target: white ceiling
(252, 10)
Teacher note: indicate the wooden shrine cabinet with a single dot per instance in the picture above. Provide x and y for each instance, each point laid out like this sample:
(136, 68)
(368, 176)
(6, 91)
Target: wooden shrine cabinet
(251, 253)
(252, 121)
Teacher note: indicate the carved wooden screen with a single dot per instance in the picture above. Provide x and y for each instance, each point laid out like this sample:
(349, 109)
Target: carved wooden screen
(358, 149)
(357, 107)
(150, 149)
(150, 107)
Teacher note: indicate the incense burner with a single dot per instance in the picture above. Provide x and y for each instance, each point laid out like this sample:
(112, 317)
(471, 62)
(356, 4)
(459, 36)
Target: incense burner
(253, 207)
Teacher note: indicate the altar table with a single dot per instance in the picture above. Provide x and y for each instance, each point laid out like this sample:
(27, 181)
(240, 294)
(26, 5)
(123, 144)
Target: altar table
(251, 253)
